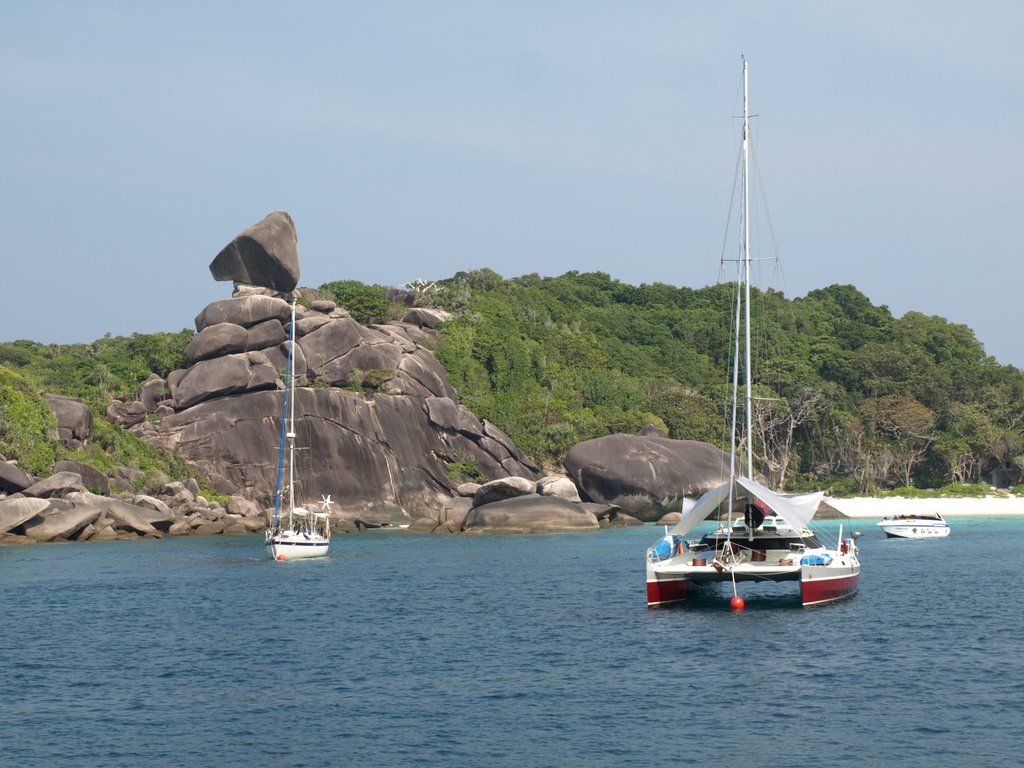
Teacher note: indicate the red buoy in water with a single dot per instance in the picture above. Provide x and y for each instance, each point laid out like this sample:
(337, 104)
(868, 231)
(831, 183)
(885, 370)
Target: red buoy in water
(737, 603)
(280, 557)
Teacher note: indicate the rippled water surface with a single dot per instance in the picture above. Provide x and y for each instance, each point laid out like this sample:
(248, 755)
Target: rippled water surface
(406, 650)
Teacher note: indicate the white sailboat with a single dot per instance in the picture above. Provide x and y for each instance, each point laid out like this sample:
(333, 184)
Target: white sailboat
(764, 535)
(295, 532)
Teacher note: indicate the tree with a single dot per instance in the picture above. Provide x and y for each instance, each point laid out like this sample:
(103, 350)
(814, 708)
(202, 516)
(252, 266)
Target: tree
(908, 425)
(775, 421)
(366, 303)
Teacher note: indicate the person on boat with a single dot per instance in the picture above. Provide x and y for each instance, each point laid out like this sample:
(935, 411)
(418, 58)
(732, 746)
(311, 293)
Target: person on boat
(753, 517)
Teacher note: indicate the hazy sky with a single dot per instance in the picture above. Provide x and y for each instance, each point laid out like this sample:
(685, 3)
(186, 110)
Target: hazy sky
(417, 139)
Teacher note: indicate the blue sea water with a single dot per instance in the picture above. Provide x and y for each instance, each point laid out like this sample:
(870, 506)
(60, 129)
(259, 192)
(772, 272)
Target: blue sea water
(410, 650)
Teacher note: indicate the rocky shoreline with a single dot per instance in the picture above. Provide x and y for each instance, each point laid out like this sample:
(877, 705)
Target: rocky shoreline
(60, 508)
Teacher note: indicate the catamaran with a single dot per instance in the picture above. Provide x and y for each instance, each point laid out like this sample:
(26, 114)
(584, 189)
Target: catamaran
(297, 532)
(763, 535)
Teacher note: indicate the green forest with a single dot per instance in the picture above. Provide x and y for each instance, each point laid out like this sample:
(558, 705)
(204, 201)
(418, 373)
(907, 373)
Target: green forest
(846, 397)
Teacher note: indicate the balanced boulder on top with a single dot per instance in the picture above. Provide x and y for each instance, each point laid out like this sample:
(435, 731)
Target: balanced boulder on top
(266, 254)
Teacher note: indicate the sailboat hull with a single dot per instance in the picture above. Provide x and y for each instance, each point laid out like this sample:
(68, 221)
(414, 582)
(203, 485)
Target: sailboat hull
(290, 545)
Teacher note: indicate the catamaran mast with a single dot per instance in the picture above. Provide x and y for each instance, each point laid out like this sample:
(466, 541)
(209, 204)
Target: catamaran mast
(746, 275)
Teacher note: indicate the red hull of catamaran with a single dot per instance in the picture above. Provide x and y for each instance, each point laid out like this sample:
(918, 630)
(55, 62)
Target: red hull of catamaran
(827, 590)
(814, 591)
(665, 592)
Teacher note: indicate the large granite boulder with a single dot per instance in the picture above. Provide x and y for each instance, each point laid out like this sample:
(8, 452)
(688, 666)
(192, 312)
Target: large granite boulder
(152, 392)
(266, 254)
(503, 488)
(89, 476)
(14, 512)
(342, 346)
(12, 478)
(216, 340)
(127, 414)
(529, 514)
(646, 476)
(246, 311)
(562, 487)
(74, 419)
(379, 456)
(61, 519)
(224, 376)
(56, 485)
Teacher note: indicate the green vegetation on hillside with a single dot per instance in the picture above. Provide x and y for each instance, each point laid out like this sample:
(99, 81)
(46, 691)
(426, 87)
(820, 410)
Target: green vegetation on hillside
(111, 367)
(28, 429)
(846, 395)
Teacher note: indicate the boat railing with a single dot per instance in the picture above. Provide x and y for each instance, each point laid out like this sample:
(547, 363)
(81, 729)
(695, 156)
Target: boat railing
(666, 547)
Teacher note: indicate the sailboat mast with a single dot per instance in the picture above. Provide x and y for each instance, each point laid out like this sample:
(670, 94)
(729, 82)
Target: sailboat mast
(746, 274)
(291, 418)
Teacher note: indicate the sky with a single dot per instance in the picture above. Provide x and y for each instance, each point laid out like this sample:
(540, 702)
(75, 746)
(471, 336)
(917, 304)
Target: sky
(413, 140)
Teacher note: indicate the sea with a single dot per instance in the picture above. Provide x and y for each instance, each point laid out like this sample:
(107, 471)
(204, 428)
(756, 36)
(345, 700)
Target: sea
(401, 649)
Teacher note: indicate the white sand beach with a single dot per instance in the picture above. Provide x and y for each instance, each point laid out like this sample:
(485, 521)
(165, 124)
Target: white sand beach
(869, 507)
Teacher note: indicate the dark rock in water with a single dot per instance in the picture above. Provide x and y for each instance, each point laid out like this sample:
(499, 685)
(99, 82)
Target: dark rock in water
(12, 478)
(74, 419)
(529, 514)
(266, 254)
(645, 476)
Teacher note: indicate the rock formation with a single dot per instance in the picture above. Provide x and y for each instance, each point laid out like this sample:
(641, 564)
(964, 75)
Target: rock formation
(265, 254)
(645, 475)
(58, 508)
(374, 407)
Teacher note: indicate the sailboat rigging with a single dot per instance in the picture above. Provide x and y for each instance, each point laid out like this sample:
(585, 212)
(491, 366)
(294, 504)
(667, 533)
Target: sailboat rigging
(764, 536)
(294, 532)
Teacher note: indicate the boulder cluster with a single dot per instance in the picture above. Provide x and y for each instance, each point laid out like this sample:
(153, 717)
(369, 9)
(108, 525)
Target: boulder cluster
(60, 508)
(378, 424)
(647, 475)
(518, 505)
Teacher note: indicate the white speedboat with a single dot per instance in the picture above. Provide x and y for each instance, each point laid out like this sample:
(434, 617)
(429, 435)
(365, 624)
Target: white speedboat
(764, 536)
(295, 532)
(926, 525)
